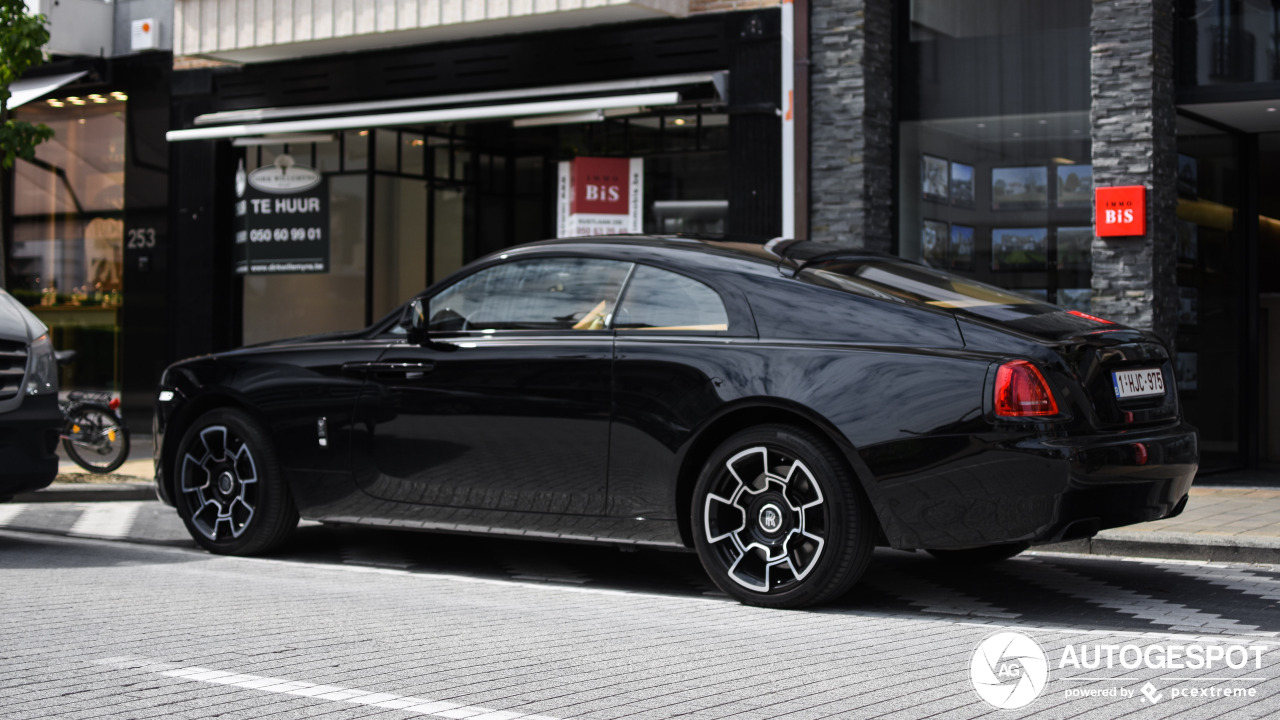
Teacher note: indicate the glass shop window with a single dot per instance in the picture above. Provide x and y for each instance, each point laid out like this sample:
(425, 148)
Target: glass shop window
(66, 258)
(995, 175)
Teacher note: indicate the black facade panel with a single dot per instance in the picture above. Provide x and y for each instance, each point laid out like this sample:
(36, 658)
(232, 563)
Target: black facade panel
(602, 53)
(755, 128)
(143, 315)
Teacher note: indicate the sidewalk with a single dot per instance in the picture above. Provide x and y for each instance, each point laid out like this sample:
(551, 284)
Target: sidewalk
(1231, 517)
(134, 480)
(1229, 524)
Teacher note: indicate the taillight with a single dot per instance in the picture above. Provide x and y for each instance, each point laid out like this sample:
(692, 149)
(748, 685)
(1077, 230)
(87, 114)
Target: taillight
(1021, 391)
(115, 403)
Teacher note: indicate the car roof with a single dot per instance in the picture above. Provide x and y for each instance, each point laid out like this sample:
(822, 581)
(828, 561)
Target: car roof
(767, 255)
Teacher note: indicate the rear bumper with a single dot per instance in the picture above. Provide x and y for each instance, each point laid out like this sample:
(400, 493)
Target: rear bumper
(1042, 490)
(1117, 481)
(28, 444)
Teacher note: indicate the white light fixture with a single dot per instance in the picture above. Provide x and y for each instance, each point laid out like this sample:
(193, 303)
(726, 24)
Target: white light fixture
(428, 117)
(561, 119)
(291, 139)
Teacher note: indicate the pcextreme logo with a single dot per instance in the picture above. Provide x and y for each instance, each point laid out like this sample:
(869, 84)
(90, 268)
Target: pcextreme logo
(1009, 670)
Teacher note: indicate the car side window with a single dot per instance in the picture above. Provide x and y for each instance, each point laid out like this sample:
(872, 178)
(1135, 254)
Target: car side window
(661, 300)
(536, 294)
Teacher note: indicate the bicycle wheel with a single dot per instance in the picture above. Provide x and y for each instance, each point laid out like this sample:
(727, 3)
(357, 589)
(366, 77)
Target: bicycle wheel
(96, 439)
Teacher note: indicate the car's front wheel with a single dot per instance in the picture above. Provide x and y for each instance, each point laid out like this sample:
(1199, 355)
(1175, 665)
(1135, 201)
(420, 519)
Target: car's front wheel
(779, 520)
(230, 493)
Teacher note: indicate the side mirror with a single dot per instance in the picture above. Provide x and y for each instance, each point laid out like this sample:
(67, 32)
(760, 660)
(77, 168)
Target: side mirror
(415, 322)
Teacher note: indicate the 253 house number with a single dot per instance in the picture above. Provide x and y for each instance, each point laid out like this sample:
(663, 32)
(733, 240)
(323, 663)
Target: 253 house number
(141, 238)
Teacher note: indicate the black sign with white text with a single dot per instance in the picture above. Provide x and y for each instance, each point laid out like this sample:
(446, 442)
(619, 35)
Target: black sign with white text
(282, 220)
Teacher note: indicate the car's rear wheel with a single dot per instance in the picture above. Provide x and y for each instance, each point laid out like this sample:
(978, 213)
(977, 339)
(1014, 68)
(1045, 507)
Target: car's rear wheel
(779, 520)
(980, 555)
(230, 493)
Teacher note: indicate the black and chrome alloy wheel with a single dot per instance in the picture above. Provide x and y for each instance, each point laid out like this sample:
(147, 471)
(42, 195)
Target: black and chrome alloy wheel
(230, 494)
(765, 519)
(778, 520)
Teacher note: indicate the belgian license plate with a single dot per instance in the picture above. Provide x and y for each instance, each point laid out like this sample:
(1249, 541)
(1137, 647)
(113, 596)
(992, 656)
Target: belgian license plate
(1138, 383)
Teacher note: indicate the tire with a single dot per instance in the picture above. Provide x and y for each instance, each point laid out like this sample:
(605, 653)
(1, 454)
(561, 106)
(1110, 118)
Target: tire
(228, 487)
(96, 439)
(980, 555)
(779, 520)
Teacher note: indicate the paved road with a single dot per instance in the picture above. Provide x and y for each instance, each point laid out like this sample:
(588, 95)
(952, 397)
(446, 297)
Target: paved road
(360, 623)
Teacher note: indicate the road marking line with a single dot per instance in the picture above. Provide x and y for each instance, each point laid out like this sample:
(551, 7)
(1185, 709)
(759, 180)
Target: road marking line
(1241, 581)
(9, 512)
(332, 693)
(1025, 625)
(935, 598)
(1122, 600)
(106, 520)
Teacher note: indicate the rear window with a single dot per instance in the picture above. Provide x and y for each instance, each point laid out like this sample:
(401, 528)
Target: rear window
(916, 284)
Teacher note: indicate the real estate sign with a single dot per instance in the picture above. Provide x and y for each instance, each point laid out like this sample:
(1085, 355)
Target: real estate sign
(600, 196)
(282, 219)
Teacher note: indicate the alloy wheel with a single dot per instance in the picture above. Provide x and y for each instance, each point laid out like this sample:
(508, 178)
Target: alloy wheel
(765, 519)
(219, 480)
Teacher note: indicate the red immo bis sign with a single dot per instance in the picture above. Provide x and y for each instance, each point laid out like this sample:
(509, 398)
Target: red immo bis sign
(1120, 211)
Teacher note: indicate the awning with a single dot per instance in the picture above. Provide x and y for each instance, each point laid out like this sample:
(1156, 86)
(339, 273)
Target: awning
(426, 117)
(545, 102)
(24, 90)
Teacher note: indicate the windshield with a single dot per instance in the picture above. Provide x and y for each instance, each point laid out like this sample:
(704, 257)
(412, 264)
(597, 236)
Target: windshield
(888, 279)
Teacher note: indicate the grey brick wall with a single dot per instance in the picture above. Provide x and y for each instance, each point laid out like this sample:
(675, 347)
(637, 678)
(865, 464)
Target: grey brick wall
(1134, 143)
(851, 122)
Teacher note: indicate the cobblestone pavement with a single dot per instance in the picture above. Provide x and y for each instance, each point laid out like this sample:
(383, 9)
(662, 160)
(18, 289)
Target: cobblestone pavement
(351, 623)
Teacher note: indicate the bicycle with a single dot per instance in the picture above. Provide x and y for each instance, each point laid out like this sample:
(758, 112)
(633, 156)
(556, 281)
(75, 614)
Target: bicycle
(94, 435)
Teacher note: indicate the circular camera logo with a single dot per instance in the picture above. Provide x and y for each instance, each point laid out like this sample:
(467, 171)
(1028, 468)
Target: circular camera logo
(1009, 670)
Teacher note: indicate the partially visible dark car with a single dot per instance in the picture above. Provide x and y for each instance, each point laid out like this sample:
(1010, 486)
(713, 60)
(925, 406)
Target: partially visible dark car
(30, 419)
(780, 408)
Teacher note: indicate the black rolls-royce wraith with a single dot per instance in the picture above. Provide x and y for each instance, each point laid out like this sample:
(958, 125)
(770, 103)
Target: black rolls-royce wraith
(779, 408)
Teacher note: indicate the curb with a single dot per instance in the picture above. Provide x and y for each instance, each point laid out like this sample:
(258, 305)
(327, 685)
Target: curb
(90, 492)
(1175, 546)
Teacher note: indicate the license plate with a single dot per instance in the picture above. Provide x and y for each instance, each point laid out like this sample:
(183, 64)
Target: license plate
(1138, 383)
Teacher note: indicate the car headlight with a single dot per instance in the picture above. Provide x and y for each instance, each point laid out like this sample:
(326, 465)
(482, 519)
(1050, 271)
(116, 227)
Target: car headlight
(42, 367)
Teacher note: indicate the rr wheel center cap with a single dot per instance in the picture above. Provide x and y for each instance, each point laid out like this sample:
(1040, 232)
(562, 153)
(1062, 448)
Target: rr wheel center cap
(770, 518)
(226, 483)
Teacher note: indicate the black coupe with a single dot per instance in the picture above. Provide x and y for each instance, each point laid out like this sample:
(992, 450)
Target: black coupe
(781, 408)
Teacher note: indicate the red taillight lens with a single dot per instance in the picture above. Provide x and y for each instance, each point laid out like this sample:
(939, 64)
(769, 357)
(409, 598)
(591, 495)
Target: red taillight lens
(1021, 391)
(115, 403)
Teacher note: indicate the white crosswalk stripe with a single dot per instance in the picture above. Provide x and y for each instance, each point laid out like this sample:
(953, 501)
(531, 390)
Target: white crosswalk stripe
(10, 511)
(1243, 581)
(935, 598)
(1128, 602)
(332, 693)
(106, 519)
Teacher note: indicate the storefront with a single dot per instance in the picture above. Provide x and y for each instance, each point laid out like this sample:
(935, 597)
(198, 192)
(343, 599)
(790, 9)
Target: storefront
(85, 216)
(1002, 108)
(428, 157)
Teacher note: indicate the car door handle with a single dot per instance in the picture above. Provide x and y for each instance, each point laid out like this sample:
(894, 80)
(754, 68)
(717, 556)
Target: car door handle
(388, 370)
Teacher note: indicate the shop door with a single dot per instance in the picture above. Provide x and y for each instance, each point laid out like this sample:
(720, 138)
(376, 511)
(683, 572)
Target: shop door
(1211, 364)
(1269, 299)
